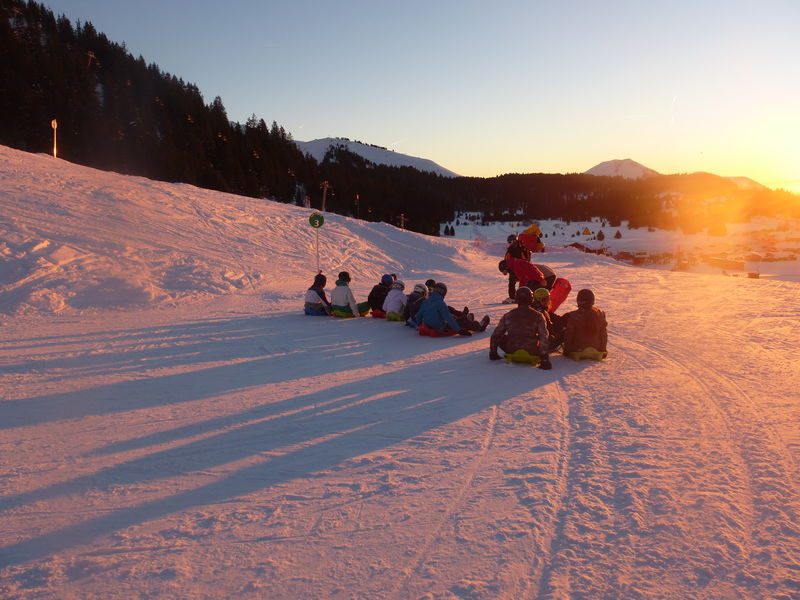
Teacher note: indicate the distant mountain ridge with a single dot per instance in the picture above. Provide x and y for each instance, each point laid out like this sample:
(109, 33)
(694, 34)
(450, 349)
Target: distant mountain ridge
(627, 168)
(630, 169)
(376, 154)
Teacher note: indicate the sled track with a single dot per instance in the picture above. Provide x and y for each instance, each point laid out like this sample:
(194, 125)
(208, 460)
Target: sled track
(564, 484)
(401, 590)
(770, 472)
(591, 520)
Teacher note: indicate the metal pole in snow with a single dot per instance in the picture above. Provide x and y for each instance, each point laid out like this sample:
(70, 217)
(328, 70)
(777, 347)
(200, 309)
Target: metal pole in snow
(54, 125)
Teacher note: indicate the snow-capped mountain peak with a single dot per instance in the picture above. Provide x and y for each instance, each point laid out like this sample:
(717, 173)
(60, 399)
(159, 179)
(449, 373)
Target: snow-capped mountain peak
(376, 154)
(627, 168)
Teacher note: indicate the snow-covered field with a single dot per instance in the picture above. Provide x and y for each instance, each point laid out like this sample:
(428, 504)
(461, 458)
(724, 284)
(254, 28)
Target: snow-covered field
(171, 425)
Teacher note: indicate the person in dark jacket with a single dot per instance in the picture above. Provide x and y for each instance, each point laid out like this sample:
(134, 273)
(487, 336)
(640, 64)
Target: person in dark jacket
(522, 328)
(316, 302)
(586, 326)
(515, 249)
(379, 292)
(555, 323)
(415, 300)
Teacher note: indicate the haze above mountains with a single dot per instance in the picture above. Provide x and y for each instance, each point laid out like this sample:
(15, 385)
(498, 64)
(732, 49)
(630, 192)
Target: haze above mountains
(625, 168)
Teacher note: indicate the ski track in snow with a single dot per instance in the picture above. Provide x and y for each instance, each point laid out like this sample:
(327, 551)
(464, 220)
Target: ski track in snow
(171, 426)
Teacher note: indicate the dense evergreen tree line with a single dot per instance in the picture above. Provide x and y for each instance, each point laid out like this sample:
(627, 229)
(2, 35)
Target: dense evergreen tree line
(119, 113)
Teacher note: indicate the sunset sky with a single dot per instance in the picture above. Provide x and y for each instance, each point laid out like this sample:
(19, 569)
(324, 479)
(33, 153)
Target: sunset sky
(483, 88)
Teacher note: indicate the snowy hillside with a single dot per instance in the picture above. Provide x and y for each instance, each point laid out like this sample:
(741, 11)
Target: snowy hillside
(172, 426)
(746, 183)
(627, 168)
(380, 156)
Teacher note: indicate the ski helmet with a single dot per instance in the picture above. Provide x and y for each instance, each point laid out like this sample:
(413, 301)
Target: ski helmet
(503, 266)
(421, 289)
(398, 285)
(541, 295)
(430, 283)
(387, 280)
(441, 288)
(524, 296)
(320, 280)
(344, 276)
(586, 298)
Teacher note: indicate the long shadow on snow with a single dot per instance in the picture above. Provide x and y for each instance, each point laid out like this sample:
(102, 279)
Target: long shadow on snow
(141, 335)
(290, 347)
(176, 345)
(341, 423)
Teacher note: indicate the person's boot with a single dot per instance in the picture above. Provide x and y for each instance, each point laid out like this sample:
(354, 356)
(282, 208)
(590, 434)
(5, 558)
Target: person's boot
(484, 323)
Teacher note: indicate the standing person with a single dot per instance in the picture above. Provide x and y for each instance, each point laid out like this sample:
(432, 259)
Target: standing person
(527, 274)
(316, 302)
(586, 327)
(522, 328)
(343, 303)
(379, 293)
(515, 249)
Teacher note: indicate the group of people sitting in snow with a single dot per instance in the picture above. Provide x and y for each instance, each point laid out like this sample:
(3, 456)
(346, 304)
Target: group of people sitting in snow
(532, 326)
(424, 307)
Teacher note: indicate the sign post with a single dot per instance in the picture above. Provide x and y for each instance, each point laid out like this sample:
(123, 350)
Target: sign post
(54, 125)
(317, 220)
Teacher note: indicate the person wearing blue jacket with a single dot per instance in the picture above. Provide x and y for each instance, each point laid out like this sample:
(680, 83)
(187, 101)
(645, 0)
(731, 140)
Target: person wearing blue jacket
(434, 312)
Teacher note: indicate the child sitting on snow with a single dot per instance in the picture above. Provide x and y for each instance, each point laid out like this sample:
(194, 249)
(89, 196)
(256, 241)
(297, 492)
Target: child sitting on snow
(585, 327)
(343, 303)
(413, 302)
(316, 303)
(522, 328)
(395, 302)
(555, 323)
(434, 313)
(378, 293)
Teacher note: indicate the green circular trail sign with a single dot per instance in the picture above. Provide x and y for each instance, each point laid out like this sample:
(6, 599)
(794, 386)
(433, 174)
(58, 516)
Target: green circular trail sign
(316, 220)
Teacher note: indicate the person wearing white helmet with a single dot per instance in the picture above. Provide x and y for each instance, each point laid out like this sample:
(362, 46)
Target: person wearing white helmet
(395, 302)
(413, 302)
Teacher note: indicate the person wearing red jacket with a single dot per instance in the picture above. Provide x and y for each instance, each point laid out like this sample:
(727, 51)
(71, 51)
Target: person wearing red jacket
(526, 273)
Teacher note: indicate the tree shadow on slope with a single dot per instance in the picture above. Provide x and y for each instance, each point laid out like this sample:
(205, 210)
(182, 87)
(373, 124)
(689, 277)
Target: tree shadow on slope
(265, 350)
(326, 428)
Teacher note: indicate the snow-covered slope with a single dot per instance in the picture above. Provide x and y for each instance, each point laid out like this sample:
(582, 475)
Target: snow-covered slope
(627, 168)
(746, 183)
(74, 238)
(380, 156)
(212, 442)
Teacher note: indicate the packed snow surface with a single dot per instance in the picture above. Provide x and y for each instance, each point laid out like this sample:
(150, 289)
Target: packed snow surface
(172, 426)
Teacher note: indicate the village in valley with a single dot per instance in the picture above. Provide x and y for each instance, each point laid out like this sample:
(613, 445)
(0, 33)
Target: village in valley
(761, 248)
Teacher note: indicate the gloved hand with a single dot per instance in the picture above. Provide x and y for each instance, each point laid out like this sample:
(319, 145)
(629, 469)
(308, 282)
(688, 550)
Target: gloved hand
(493, 355)
(544, 362)
(463, 331)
